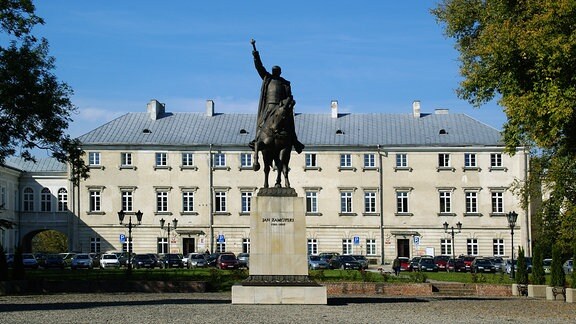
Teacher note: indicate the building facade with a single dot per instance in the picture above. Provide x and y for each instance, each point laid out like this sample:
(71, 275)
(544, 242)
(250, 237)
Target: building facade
(381, 185)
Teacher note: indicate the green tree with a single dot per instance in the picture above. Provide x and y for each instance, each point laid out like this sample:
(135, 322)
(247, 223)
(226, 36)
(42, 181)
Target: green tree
(538, 277)
(521, 273)
(50, 242)
(573, 285)
(35, 106)
(557, 277)
(523, 53)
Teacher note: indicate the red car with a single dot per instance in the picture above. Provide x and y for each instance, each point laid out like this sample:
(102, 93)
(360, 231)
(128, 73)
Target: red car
(404, 263)
(468, 261)
(441, 262)
(227, 261)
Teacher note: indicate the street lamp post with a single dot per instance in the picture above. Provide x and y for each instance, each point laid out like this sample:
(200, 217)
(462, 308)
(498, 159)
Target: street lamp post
(512, 217)
(130, 225)
(459, 226)
(174, 222)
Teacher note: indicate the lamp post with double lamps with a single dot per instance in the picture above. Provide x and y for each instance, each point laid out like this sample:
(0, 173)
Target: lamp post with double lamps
(512, 217)
(174, 222)
(130, 225)
(459, 226)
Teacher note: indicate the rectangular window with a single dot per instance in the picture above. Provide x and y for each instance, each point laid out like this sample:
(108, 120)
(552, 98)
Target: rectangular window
(128, 245)
(446, 246)
(245, 245)
(62, 200)
(311, 201)
(161, 159)
(345, 202)
(310, 160)
(443, 160)
(445, 202)
(45, 200)
(187, 201)
(371, 246)
(369, 160)
(312, 246)
(220, 201)
(95, 245)
(472, 246)
(401, 160)
(347, 246)
(471, 202)
(162, 245)
(218, 160)
(246, 160)
(221, 246)
(345, 160)
(187, 159)
(161, 201)
(498, 247)
(496, 160)
(497, 202)
(3, 197)
(470, 160)
(402, 202)
(369, 202)
(28, 199)
(127, 201)
(246, 201)
(95, 200)
(94, 158)
(126, 159)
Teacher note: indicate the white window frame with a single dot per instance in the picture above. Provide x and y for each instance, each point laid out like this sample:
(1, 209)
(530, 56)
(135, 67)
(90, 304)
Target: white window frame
(401, 160)
(371, 248)
(45, 200)
(347, 246)
(446, 246)
(187, 159)
(126, 159)
(28, 199)
(127, 197)
(162, 245)
(246, 201)
(220, 201)
(161, 159)
(402, 202)
(312, 245)
(444, 160)
(471, 199)
(219, 160)
(496, 160)
(445, 201)
(161, 201)
(95, 245)
(346, 198)
(62, 200)
(221, 246)
(369, 160)
(370, 200)
(95, 197)
(470, 160)
(246, 245)
(498, 247)
(311, 201)
(187, 201)
(497, 200)
(311, 160)
(246, 160)
(346, 160)
(94, 158)
(472, 246)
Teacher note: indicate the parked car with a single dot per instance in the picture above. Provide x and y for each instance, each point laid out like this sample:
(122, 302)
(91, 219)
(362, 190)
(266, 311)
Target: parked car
(10, 259)
(414, 263)
(467, 259)
(109, 260)
(29, 261)
(211, 259)
(122, 257)
(362, 259)
(326, 256)
(171, 260)
(95, 259)
(442, 262)
(508, 265)
(156, 259)
(568, 266)
(480, 265)
(456, 265)
(345, 262)
(54, 261)
(67, 257)
(196, 260)
(243, 260)
(427, 264)
(143, 261)
(498, 262)
(404, 263)
(315, 262)
(81, 261)
(547, 265)
(227, 261)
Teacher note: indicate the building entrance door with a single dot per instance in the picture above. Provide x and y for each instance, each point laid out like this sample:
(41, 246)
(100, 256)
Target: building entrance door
(188, 245)
(403, 248)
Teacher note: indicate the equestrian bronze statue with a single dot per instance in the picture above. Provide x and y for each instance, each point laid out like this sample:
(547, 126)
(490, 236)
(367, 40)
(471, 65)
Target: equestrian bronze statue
(275, 131)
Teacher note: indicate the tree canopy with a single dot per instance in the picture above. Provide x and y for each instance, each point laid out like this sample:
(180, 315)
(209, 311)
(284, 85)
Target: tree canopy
(35, 107)
(522, 53)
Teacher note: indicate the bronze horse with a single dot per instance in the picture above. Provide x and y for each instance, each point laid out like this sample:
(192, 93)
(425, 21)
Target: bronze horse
(275, 142)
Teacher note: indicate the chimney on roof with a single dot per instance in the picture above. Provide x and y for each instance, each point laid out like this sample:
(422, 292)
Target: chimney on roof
(209, 108)
(155, 109)
(416, 108)
(334, 108)
(441, 111)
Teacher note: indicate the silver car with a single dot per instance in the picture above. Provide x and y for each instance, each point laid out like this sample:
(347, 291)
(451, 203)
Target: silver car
(315, 262)
(196, 260)
(568, 266)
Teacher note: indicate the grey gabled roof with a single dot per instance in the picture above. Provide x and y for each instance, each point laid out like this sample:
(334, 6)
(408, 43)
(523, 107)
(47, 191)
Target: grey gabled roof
(312, 129)
(41, 165)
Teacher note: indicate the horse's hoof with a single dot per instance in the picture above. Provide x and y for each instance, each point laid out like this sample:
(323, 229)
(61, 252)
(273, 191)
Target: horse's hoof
(256, 166)
(278, 185)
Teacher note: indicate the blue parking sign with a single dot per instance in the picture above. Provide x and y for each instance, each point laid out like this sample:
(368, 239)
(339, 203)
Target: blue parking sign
(356, 240)
(122, 238)
(221, 238)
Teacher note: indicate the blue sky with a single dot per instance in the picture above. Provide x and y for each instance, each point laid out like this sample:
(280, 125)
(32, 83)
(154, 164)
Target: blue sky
(371, 56)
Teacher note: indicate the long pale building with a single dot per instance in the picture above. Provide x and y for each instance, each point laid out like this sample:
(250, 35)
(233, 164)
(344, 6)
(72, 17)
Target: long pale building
(381, 185)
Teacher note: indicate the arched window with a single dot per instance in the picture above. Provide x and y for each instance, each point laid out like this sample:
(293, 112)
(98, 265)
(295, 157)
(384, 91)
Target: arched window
(62, 199)
(28, 199)
(45, 200)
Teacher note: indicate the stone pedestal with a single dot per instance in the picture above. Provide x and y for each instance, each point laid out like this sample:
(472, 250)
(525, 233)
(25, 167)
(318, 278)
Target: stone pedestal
(278, 271)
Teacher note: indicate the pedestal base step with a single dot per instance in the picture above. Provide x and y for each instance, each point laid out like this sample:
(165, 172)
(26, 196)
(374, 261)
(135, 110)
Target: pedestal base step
(279, 295)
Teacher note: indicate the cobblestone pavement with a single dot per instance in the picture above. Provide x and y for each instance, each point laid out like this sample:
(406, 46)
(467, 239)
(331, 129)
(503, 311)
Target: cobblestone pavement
(217, 308)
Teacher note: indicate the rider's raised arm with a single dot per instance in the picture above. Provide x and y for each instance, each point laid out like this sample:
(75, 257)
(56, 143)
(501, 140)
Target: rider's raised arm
(259, 66)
